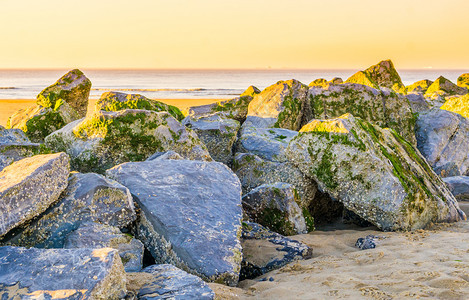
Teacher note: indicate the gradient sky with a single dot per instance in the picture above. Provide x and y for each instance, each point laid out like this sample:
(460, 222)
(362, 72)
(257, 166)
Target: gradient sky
(233, 34)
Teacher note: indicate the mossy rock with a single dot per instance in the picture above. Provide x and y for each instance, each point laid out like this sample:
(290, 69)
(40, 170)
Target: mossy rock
(419, 86)
(463, 80)
(336, 80)
(73, 88)
(383, 108)
(459, 105)
(319, 82)
(444, 87)
(114, 101)
(380, 75)
(105, 139)
(374, 172)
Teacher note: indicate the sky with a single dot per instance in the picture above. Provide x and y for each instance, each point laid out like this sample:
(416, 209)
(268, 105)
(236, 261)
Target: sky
(221, 34)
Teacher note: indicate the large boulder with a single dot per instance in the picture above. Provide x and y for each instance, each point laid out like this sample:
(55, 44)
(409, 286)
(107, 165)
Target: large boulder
(218, 133)
(459, 187)
(115, 101)
(318, 82)
(463, 80)
(442, 88)
(168, 282)
(443, 139)
(459, 105)
(265, 251)
(378, 76)
(275, 206)
(190, 214)
(419, 86)
(282, 105)
(57, 105)
(374, 172)
(29, 186)
(105, 139)
(14, 145)
(381, 107)
(88, 198)
(418, 103)
(61, 274)
(97, 236)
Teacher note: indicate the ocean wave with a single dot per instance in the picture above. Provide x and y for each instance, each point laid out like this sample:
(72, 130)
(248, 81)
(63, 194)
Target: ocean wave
(150, 90)
(7, 88)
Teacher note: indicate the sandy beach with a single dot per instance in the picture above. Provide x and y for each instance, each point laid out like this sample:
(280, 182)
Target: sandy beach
(10, 106)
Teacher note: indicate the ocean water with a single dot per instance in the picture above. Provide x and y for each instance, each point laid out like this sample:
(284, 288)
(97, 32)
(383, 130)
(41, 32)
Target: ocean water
(183, 84)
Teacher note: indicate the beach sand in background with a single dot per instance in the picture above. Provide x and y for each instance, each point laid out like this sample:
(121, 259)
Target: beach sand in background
(9, 106)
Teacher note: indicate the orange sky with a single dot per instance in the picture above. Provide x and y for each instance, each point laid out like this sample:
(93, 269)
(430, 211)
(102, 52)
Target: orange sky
(233, 34)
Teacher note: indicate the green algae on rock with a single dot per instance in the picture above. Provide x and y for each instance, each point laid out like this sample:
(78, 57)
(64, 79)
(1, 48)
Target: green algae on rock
(443, 87)
(463, 80)
(459, 105)
(115, 101)
(105, 139)
(419, 86)
(380, 75)
(318, 82)
(374, 172)
(383, 108)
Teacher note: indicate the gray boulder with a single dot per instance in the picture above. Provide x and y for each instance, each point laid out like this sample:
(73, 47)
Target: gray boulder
(61, 274)
(218, 133)
(418, 103)
(443, 139)
(14, 145)
(191, 214)
(165, 155)
(88, 198)
(96, 236)
(459, 187)
(374, 172)
(168, 282)
(265, 251)
(275, 207)
(29, 186)
(105, 139)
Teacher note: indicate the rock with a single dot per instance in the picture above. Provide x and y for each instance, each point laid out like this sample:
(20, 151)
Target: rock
(265, 251)
(165, 155)
(459, 105)
(442, 138)
(97, 236)
(459, 187)
(88, 198)
(419, 86)
(29, 186)
(218, 133)
(418, 103)
(319, 82)
(73, 88)
(115, 101)
(14, 145)
(61, 273)
(282, 105)
(442, 88)
(275, 207)
(380, 75)
(368, 242)
(336, 80)
(105, 139)
(168, 282)
(374, 172)
(383, 108)
(191, 214)
(463, 80)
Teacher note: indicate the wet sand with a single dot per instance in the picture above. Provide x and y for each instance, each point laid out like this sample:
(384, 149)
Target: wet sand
(10, 106)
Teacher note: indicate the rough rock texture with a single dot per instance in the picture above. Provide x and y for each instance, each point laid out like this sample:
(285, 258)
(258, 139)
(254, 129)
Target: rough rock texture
(374, 172)
(168, 282)
(459, 105)
(218, 133)
(14, 145)
(336, 80)
(115, 101)
(105, 139)
(61, 274)
(459, 187)
(275, 207)
(88, 198)
(443, 139)
(165, 155)
(265, 250)
(29, 186)
(380, 75)
(318, 82)
(419, 86)
(191, 214)
(282, 105)
(443, 87)
(383, 108)
(236, 108)
(72, 88)
(463, 80)
(96, 236)
(418, 103)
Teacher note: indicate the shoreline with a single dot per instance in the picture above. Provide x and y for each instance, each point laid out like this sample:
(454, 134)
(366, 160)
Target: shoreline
(9, 106)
